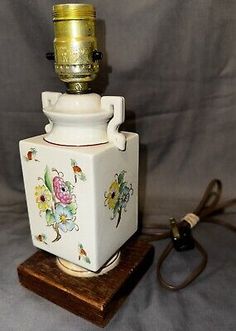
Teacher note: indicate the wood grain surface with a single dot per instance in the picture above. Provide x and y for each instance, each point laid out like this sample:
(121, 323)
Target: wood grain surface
(95, 299)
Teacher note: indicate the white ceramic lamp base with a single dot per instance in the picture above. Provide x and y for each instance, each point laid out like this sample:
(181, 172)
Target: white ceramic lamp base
(82, 187)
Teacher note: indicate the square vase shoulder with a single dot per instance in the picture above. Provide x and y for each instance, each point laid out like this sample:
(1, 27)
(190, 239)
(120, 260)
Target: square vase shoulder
(82, 201)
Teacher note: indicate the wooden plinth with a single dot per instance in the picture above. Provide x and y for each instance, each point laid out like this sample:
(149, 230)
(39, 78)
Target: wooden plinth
(95, 299)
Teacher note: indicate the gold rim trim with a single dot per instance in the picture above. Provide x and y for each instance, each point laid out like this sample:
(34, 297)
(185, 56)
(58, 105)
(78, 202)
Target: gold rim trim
(73, 11)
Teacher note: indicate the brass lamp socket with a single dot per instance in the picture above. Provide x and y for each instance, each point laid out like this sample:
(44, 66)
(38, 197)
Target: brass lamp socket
(75, 45)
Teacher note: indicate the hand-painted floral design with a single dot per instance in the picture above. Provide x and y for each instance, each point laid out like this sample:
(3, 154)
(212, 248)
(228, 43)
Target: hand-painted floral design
(78, 173)
(55, 199)
(64, 218)
(62, 190)
(118, 195)
(43, 197)
(113, 195)
(83, 255)
(42, 238)
(31, 155)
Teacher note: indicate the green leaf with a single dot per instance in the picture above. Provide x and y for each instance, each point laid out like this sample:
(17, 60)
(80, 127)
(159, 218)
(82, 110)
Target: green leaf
(122, 186)
(72, 207)
(87, 259)
(121, 177)
(73, 162)
(50, 218)
(82, 176)
(47, 179)
(69, 186)
(116, 209)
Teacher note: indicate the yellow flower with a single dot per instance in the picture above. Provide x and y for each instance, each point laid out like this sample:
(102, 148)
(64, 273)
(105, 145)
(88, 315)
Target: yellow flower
(43, 197)
(113, 195)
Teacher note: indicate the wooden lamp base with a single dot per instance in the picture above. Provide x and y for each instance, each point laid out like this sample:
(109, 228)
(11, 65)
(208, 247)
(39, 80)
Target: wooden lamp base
(95, 299)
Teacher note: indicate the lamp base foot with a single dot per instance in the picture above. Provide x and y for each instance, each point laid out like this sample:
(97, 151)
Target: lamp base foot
(76, 271)
(95, 299)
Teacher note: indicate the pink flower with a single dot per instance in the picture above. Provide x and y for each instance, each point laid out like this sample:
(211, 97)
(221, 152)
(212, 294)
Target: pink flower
(61, 190)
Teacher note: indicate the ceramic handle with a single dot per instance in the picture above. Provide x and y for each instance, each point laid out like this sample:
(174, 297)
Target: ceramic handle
(117, 105)
(48, 100)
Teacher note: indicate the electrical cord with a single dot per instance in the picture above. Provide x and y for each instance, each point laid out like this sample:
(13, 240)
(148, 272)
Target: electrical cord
(180, 232)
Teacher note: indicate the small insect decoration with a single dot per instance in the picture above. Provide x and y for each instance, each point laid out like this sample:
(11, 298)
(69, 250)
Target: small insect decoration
(42, 238)
(118, 195)
(83, 255)
(78, 173)
(31, 155)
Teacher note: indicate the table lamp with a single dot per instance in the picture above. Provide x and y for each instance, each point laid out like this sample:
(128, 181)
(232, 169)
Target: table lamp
(81, 184)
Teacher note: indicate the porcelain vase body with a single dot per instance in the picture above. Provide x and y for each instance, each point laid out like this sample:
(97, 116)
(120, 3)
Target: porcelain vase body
(82, 200)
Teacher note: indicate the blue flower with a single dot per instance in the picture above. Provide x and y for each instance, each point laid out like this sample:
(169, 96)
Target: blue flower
(64, 218)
